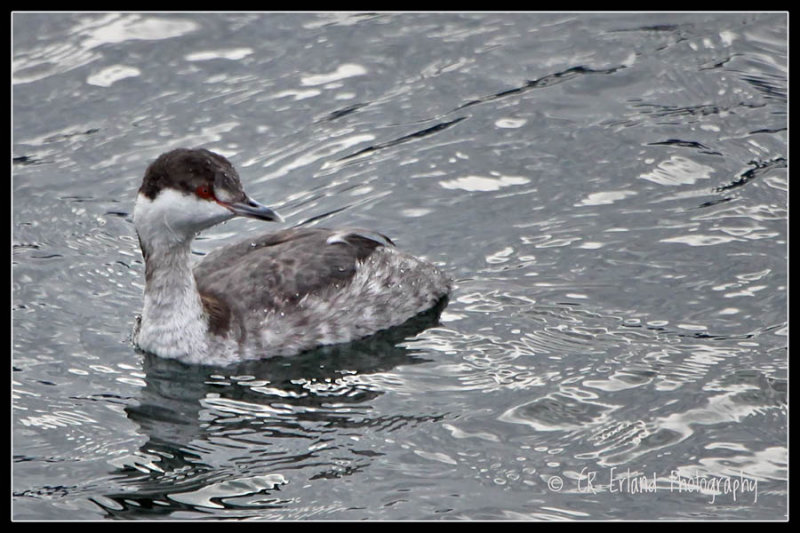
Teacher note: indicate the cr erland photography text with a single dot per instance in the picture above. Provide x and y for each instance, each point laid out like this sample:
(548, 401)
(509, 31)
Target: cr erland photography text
(734, 488)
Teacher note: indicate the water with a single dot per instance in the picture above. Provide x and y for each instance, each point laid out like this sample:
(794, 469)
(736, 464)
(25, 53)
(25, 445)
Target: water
(609, 191)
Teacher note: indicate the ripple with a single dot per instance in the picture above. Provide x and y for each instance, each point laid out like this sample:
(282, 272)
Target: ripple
(458, 433)
(57, 419)
(700, 239)
(678, 170)
(89, 34)
(501, 256)
(214, 495)
(110, 75)
(436, 456)
(347, 70)
(771, 463)
(324, 151)
(558, 412)
(233, 54)
(605, 198)
(120, 28)
(510, 123)
(483, 183)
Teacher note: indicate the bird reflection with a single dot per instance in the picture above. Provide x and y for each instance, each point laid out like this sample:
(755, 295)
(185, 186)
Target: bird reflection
(206, 424)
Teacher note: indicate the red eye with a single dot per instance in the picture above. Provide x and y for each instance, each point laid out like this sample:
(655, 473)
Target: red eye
(204, 192)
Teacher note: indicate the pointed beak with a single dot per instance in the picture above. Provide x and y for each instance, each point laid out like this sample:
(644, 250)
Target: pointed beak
(252, 209)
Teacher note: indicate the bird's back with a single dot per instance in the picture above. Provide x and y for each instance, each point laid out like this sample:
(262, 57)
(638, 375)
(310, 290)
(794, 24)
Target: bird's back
(293, 289)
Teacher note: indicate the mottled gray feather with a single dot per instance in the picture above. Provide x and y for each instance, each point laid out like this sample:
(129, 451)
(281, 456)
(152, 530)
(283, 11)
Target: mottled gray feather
(277, 269)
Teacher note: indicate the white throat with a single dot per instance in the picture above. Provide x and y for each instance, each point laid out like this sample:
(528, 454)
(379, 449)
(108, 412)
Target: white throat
(173, 321)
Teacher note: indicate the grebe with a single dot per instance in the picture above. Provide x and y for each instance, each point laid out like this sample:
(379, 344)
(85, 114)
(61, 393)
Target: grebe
(280, 293)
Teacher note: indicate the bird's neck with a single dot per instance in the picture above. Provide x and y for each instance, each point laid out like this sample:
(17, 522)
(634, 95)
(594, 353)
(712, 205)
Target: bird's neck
(173, 322)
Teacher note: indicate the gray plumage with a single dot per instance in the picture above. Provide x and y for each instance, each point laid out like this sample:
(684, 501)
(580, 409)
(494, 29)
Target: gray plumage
(280, 293)
(303, 287)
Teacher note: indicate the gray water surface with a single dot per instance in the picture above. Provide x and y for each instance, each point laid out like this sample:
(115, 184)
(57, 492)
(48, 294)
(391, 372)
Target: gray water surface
(608, 190)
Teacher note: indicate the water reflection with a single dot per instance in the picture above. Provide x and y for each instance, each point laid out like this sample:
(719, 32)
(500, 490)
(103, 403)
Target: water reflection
(282, 420)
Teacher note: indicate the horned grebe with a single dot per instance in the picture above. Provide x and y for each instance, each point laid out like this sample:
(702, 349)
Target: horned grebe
(279, 293)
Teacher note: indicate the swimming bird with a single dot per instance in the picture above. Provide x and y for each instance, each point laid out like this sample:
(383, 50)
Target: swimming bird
(278, 293)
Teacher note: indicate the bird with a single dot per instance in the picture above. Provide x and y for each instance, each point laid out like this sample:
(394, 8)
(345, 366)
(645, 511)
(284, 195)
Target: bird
(278, 293)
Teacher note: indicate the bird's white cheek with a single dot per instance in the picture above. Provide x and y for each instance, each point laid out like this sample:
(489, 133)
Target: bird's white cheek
(177, 213)
(203, 214)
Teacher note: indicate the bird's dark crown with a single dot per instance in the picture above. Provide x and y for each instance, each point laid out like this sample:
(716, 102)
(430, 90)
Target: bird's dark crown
(185, 169)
